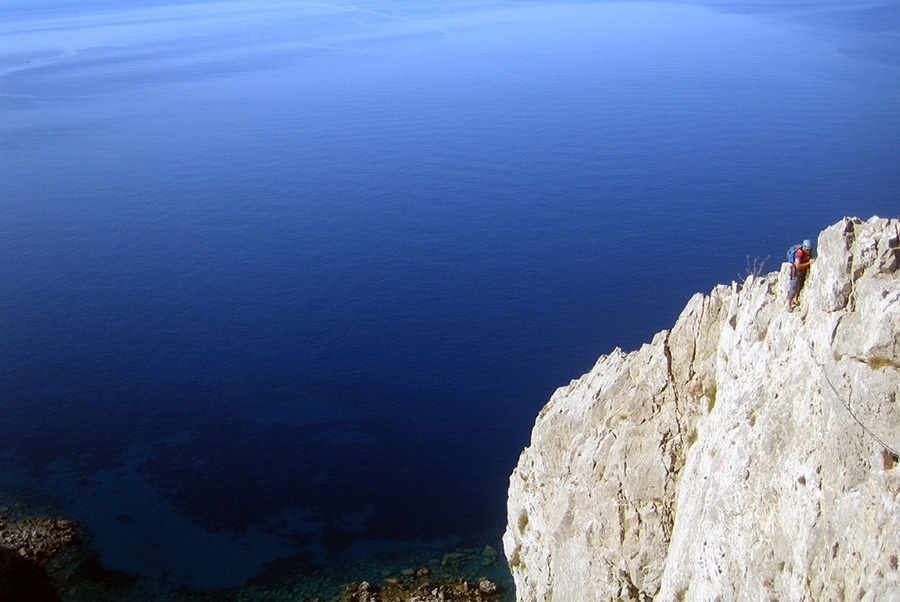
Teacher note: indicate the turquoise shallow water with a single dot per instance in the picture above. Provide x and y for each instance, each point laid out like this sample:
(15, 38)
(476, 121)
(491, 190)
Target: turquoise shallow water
(285, 285)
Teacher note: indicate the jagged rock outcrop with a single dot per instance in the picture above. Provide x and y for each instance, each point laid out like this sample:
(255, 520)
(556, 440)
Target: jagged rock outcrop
(747, 454)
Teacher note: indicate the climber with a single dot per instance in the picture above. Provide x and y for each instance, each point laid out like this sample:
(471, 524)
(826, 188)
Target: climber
(801, 259)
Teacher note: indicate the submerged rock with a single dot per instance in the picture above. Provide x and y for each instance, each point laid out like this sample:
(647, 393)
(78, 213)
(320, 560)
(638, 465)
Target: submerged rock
(747, 454)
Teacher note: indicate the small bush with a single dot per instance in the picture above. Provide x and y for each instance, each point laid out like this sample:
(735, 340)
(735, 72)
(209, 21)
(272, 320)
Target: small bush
(692, 437)
(880, 362)
(754, 268)
(711, 399)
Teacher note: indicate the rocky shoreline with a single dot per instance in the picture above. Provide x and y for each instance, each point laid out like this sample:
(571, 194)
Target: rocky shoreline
(26, 544)
(35, 538)
(45, 559)
(423, 590)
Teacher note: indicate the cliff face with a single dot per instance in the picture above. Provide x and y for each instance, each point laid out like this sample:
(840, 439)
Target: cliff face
(729, 458)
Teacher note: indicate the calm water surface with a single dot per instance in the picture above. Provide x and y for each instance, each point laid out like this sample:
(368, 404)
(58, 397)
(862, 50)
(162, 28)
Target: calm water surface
(288, 283)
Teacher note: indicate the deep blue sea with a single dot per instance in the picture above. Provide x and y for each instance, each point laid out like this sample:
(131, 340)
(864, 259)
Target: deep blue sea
(284, 284)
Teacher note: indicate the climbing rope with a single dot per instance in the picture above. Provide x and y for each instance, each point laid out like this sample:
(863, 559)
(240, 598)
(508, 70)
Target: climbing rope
(846, 405)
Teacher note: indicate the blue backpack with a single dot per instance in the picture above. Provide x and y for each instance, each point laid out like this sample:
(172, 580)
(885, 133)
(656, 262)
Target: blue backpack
(791, 252)
(790, 257)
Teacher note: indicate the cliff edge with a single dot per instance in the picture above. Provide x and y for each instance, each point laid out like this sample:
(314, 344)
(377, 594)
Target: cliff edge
(747, 454)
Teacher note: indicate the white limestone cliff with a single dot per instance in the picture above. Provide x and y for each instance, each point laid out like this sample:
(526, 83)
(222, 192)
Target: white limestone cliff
(729, 458)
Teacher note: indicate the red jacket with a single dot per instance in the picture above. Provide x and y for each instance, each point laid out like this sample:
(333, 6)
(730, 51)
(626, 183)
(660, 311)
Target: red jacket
(802, 256)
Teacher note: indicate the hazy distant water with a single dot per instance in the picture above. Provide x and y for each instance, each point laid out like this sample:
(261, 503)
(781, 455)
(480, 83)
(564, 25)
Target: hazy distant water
(280, 277)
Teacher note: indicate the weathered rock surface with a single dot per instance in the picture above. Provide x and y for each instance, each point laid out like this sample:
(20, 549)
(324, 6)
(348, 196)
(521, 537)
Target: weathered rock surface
(729, 459)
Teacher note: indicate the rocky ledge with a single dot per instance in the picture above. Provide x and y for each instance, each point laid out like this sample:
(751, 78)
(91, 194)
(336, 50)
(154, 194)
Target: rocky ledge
(747, 454)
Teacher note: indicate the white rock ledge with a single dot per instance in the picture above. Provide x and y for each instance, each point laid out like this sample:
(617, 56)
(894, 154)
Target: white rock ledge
(720, 461)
